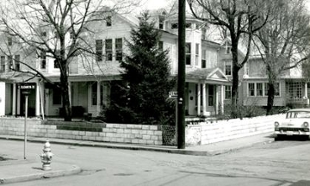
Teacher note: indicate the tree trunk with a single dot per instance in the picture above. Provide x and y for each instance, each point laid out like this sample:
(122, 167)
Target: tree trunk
(271, 93)
(66, 105)
(234, 93)
(235, 81)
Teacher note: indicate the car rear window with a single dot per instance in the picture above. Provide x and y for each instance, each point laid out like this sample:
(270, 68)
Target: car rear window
(299, 114)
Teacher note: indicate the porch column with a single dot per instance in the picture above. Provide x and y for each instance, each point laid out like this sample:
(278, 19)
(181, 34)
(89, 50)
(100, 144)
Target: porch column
(14, 100)
(204, 99)
(2, 98)
(38, 113)
(18, 101)
(306, 93)
(70, 93)
(198, 99)
(217, 99)
(98, 97)
(222, 98)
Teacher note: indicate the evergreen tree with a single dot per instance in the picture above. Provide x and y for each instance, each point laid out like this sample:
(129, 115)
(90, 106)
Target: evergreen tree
(147, 75)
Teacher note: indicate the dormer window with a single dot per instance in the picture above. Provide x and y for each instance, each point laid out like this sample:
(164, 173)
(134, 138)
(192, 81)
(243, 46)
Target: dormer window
(43, 60)
(203, 33)
(188, 25)
(161, 20)
(108, 21)
(174, 25)
(228, 50)
(17, 62)
(10, 41)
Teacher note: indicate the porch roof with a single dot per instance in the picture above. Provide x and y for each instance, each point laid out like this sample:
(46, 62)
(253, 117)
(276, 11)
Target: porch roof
(209, 75)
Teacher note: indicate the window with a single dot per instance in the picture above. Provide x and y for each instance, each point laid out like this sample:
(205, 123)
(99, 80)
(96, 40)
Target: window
(228, 50)
(203, 59)
(2, 65)
(119, 49)
(17, 62)
(108, 49)
(43, 60)
(276, 86)
(188, 53)
(174, 25)
(56, 63)
(251, 89)
(109, 21)
(161, 23)
(211, 95)
(161, 45)
(10, 62)
(259, 89)
(56, 96)
(94, 93)
(203, 33)
(277, 89)
(10, 41)
(294, 90)
(228, 69)
(196, 54)
(227, 92)
(99, 50)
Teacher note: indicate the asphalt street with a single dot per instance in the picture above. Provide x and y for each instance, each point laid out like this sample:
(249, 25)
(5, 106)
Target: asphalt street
(277, 163)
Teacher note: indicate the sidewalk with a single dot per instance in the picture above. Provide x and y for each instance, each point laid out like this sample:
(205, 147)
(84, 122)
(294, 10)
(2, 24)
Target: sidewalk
(25, 170)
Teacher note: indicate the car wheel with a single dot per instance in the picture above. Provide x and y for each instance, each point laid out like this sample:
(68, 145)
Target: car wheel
(279, 137)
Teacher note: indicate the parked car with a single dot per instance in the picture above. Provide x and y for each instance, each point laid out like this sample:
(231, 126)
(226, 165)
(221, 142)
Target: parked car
(296, 123)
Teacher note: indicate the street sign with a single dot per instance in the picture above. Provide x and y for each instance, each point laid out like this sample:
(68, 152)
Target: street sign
(173, 94)
(26, 88)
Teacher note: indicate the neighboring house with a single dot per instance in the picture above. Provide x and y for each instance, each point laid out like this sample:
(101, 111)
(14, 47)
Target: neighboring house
(291, 87)
(208, 70)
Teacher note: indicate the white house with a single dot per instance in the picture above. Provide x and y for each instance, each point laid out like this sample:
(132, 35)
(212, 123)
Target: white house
(208, 69)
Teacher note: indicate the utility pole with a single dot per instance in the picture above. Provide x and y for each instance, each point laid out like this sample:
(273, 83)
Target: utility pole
(181, 76)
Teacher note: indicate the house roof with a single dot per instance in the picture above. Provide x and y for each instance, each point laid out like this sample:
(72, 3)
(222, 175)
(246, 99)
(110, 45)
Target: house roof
(208, 74)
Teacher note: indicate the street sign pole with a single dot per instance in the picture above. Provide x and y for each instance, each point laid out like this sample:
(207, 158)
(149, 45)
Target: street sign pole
(25, 125)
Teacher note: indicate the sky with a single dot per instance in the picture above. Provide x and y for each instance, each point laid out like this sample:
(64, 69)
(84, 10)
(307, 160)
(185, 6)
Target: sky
(155, 4)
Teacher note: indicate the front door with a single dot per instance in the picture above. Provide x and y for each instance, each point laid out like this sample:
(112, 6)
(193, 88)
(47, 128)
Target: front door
(31, 103)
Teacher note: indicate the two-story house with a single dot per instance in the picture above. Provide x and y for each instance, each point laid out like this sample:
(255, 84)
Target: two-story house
(91, 79)
(291, 87)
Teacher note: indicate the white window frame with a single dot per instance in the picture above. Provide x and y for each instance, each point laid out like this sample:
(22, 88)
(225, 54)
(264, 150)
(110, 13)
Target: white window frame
(228, 63)
(264, 89)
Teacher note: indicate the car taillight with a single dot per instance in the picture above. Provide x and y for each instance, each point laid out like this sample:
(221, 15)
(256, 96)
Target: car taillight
(306, 124)
(276, 124)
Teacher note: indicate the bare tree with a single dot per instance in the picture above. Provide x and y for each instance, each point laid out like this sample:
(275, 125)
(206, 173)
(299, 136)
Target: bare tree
(283, 42)
(57, 29)
(241, 19)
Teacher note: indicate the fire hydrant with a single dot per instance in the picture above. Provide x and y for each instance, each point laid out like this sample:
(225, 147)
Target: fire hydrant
(46, 156)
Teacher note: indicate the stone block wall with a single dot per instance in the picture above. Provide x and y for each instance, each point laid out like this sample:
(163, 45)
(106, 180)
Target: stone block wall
(207, 133)
(122, 133)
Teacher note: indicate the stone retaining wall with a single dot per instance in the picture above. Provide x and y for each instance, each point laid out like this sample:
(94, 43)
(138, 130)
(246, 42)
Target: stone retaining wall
(123, 133)
(206, 132)
(200, 134)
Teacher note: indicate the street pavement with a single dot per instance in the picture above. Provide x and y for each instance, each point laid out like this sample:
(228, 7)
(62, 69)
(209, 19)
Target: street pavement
(30, 169)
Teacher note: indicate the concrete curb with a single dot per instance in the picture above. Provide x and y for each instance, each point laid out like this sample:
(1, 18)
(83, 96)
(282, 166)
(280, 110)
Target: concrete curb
(133, 147)
(49, 174)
